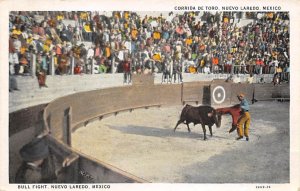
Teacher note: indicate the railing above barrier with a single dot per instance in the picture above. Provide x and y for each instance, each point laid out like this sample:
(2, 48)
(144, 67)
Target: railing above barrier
(88, 65)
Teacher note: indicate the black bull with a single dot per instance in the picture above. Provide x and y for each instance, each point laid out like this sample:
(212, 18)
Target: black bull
(204, 115)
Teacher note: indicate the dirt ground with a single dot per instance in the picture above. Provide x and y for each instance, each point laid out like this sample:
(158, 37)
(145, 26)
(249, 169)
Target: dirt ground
(143, 143)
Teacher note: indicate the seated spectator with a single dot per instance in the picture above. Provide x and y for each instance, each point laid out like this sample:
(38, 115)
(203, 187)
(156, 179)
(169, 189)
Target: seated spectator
(215, 63)
(102, 66)
(250, 79)
(24, 65)
(206, 69)
(87, 32)
(63, 64)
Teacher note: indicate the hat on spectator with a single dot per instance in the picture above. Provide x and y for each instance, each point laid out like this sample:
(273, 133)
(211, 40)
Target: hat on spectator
(35, 150)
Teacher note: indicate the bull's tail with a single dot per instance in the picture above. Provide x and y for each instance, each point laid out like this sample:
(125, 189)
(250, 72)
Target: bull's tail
(183, 114)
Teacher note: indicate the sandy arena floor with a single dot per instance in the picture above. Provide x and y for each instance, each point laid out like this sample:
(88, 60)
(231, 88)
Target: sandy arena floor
(143, 143)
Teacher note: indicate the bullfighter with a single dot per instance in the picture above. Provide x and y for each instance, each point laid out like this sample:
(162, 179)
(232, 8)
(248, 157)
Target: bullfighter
(244, 120)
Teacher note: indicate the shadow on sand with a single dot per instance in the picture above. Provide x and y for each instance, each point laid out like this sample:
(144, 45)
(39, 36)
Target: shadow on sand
(159, 132)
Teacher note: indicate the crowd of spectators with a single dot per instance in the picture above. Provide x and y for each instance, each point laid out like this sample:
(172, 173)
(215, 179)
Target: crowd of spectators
(192, 42)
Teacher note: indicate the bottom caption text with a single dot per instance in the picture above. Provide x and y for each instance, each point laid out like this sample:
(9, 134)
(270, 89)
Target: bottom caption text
(63, 186)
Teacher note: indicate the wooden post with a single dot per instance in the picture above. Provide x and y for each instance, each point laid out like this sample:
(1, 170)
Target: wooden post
(51, 67)
(67, 125)
(33, 65)
(93, 65)
(113, 65)
(72, 60)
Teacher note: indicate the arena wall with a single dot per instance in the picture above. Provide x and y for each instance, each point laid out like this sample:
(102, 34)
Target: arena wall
(228, 92)
(30, 94)
(19, 120)
(65, 114)
(104, 173)
(93, 104)
(269, 92)
(197, 92)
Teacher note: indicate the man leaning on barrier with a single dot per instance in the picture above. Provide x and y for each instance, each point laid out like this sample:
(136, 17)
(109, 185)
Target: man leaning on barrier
(39, 164)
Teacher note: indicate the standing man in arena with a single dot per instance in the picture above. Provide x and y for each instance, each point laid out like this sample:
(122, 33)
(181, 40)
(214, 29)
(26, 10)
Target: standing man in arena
(244, 120)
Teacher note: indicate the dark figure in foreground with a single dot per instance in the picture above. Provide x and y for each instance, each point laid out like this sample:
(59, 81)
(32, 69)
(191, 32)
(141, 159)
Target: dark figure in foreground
(40, 165)
(37, 166)
(204, 115)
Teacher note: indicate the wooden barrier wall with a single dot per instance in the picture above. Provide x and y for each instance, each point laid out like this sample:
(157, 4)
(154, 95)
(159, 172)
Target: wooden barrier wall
(94, 173)
(198, 92)
(253, 92)
(26, 118)
(269, 91)
(92, 104)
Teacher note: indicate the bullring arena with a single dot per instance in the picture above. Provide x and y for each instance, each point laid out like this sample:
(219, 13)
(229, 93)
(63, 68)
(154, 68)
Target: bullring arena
(92, 84)
(125, 134)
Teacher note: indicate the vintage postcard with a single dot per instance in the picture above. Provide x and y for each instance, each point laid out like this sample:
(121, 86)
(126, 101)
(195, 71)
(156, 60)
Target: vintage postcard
(133, 94)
